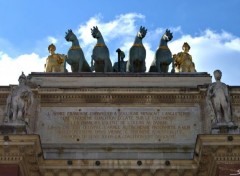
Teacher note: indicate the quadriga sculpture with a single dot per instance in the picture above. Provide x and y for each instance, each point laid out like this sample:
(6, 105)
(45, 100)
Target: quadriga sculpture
(100, 57)
(75, 56)
(137, 53)
(163, 56)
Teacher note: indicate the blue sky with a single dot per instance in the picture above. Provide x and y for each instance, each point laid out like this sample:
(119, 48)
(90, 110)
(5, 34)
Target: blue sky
(210, 27)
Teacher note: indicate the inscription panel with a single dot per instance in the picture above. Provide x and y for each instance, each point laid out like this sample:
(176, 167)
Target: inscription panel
(119, 124)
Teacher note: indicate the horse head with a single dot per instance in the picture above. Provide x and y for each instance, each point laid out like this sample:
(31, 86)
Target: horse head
(167, 36)
(142, 32)
(70, 36)
(95, 32)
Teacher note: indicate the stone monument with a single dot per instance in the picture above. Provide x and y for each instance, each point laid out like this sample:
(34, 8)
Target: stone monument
(119, 124)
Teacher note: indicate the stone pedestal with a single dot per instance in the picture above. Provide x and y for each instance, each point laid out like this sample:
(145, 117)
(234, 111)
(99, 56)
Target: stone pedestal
(225, 129)
(13, 129)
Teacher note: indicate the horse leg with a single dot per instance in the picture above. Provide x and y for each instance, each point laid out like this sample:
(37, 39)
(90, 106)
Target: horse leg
(132, 67)
(65, 66)
(110, 68)
(143, 69)
(73, 68)
(165, 68)
(105, 66)
(80, 65)
(158, 66)
(173, 66)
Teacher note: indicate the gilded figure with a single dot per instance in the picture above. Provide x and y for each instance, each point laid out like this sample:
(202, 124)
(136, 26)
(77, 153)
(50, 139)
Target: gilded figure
(54, 62)
(183, 60)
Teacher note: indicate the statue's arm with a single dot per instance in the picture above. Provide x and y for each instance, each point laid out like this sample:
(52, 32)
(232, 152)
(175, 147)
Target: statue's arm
(226, 92)
(210, 92)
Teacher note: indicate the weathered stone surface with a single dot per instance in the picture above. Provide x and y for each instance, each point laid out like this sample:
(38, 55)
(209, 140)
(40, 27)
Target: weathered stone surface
(124, 116)
(119, 125)
(120, 79)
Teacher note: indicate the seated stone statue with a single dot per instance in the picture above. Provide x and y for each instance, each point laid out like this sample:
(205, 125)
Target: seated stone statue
(183, 60)
(54, 62)
(18, 103)
(218, 100)
(120, 66)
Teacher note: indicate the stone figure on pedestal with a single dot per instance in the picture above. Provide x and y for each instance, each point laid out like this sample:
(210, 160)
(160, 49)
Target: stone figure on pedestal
(163, 56)
(18, 104)
(100, 56)
(120, 66)
(54, 62)
(137, 53)
(183, 60)
(218, 100)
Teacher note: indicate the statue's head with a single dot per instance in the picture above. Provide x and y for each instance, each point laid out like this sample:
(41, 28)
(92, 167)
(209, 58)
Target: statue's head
(142, 32)
(95, 32)
(22, 79)
(217, 75)
(167, 35)
(70, 36)
(186, 46)
(51, 47)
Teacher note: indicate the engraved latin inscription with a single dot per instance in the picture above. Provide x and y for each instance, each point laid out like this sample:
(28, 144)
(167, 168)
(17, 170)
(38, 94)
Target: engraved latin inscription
(120, 125)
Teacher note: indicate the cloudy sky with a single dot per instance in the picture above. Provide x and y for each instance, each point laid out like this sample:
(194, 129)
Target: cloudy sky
(210, 27)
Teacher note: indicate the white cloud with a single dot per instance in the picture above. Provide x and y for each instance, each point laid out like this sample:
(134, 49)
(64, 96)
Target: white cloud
(121, 26)
(11, 68)
(52, 40)
(233, 44)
